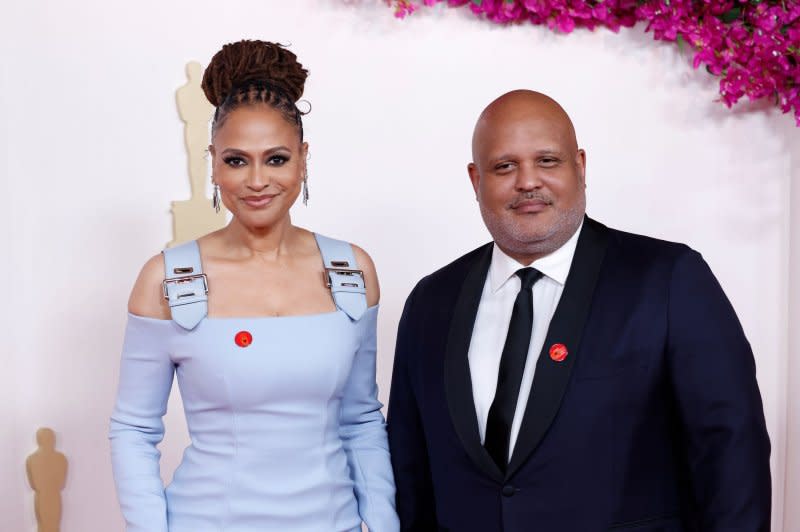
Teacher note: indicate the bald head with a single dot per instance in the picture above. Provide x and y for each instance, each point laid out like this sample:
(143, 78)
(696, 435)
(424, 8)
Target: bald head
(519, 105)
(528, 174)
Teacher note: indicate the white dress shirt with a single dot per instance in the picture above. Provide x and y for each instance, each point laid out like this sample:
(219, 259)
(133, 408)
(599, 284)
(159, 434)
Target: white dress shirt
(491, 326)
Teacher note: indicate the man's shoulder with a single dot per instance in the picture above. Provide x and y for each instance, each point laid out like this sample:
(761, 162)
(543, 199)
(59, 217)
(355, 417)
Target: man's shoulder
(644, 246)
(462, 264)
(453, 274)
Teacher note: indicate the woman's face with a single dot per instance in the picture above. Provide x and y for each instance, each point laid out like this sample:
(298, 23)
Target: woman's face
(259, 164)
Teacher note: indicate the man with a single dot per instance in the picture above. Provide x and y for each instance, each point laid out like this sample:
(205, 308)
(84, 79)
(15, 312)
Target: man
(568, 376)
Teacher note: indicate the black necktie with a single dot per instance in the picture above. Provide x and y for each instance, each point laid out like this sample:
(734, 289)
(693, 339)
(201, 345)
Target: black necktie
(512, 364)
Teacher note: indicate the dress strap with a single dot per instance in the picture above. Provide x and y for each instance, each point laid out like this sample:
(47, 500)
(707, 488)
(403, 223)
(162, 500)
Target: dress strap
(185, 285)
(343, 277)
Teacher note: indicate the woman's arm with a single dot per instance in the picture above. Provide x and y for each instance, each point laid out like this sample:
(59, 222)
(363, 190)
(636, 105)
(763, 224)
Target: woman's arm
(362, 427)
(145, 380)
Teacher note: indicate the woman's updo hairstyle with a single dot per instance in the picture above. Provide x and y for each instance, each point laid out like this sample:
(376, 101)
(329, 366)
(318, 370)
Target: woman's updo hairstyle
(250, 72)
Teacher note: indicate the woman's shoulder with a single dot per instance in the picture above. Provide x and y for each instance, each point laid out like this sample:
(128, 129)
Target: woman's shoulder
(364, 263)
(146, 298)
(363, 259)
(367, 265)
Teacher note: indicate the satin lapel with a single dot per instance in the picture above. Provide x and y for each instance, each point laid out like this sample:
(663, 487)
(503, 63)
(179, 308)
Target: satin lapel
(566, 327)
(457, 381)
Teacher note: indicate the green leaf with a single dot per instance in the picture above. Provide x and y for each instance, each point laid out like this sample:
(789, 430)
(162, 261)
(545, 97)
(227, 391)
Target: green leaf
(681, 42)
(730, 16)
(477, 2)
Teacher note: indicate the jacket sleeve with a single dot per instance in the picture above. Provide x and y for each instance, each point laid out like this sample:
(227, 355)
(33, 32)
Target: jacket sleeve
(145, 380)
(363, 434)
(714, 382)
(415, 503)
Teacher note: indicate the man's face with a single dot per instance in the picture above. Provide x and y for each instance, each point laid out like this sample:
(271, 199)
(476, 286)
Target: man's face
(528, 175)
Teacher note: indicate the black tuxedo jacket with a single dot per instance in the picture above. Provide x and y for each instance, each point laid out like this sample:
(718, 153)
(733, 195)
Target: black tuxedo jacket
(653, 422)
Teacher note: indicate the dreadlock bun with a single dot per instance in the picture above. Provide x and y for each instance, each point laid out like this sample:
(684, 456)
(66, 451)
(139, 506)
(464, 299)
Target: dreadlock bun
(253, 61)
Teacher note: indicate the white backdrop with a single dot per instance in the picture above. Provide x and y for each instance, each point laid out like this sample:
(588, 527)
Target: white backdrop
(92, 155)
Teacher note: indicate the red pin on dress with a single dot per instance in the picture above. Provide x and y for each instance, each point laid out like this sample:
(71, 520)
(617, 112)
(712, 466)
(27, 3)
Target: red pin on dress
(243, 338)
(558, 352)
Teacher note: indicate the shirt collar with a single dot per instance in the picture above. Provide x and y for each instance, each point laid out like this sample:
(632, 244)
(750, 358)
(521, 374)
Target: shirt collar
(555, 265)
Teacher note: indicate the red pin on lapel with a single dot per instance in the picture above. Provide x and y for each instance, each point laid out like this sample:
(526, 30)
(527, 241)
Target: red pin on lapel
(243, 338)
(558, 352)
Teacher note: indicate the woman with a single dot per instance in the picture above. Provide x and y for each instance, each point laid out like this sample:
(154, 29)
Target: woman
(271, 331)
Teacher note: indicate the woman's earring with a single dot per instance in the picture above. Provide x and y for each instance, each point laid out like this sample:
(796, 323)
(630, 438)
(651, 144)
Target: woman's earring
(305, 188)
(215, 201)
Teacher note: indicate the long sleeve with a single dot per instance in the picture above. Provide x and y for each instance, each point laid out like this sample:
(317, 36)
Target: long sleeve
(145, 380)
(363, 433)
(406, 438)
(714, 382)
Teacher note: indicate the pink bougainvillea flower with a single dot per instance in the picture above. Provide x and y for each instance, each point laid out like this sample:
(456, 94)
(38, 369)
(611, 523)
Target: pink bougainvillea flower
(752, 45)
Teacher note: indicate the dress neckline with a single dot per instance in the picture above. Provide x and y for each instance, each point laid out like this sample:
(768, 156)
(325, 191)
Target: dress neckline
(255, 318)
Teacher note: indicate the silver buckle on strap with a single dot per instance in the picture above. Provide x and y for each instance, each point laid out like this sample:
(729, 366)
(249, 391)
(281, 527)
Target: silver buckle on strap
(181, 280)
(343, 271)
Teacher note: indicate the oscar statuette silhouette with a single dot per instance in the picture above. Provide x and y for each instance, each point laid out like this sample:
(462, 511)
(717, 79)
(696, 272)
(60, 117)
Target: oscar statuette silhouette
(195, 217)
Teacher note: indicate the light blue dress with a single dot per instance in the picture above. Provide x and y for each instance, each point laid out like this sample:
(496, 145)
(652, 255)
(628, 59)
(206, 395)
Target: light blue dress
(285, 426)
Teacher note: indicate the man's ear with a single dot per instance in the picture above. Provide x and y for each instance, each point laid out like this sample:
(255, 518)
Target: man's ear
(580, 162)
(474, 177)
